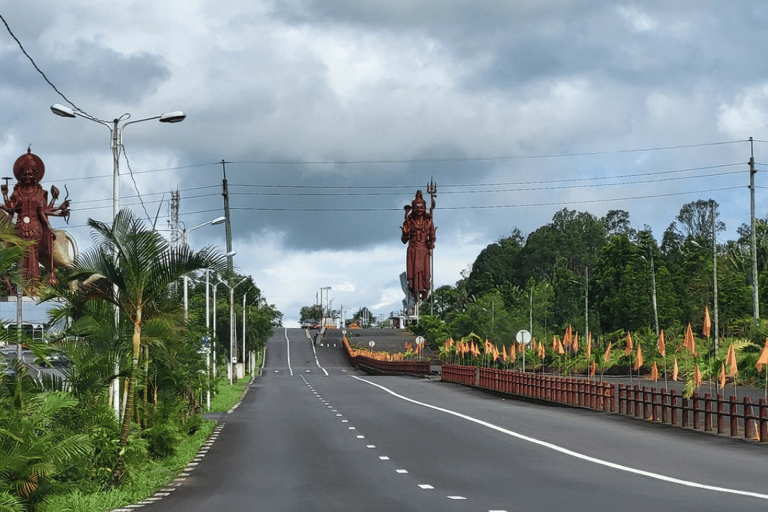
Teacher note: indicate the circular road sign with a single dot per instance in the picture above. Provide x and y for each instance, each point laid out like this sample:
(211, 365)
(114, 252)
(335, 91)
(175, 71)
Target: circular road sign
(523, 337)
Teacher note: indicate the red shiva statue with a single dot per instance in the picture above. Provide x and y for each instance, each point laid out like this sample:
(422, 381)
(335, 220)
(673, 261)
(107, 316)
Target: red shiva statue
(419, 233)
(31, 208)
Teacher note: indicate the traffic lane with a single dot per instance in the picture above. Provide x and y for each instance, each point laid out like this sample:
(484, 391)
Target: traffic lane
(285, 449)
(322, 358)
(449, 449)
(582, 429)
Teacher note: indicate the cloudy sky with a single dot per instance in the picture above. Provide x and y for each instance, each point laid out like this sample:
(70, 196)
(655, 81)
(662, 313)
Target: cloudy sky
(330, 114)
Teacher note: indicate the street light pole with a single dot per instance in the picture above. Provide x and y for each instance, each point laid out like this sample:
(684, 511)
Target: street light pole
(185, 238)
(232, 325)
(116, 143)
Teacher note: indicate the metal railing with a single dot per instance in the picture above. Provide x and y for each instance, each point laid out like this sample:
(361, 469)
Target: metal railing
(731, 416)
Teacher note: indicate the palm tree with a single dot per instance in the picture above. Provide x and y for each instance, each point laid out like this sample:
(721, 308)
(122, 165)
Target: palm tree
(134, 267)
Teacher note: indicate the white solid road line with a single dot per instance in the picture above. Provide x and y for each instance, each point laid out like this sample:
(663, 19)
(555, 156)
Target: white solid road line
(571, 453)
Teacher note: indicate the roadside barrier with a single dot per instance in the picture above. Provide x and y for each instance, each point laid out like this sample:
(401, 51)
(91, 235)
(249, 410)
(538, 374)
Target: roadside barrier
(731, 416)
(376, 365)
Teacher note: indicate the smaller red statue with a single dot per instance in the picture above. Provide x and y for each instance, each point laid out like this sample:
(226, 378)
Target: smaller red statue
(31, 208)
(419, 233)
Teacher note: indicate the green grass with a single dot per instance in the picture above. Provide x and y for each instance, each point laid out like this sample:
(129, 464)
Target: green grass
(144, 480)
(228, 394)
(150, 476)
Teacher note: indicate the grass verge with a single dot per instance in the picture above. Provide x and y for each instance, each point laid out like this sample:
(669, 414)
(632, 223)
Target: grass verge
(148, 477)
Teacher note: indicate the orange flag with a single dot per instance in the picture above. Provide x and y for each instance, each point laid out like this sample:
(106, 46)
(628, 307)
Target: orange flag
(688, 342)
(628, 349)
(542, 351)
(697, 377)
(675, 371)
(607, 355)
(707, 323)
(576, 342)
(662, 345)
(504, 353)
(589, 346)
(763, 359)
(592, 368)
(554, 343)
(731, 359)
(655, 372)
(639, 358)
(568, 337)
(560, 348)
(722, 376)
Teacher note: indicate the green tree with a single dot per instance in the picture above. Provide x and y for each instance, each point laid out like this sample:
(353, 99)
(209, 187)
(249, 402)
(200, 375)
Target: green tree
(314, 312)
(145, 267)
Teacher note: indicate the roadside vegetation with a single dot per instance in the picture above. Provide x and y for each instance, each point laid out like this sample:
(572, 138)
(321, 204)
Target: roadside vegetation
(62, 446)
(602, 280)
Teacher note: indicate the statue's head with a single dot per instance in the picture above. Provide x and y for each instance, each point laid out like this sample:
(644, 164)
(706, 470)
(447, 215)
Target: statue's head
(29, 168)
(419, 206)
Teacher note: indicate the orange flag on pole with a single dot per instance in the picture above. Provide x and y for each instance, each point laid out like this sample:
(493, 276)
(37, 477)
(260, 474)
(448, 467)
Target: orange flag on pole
(722, 376)
(560, 348)
(732, 369)
(655, 372)
(513, 352)
(688, 342)
(697, 377)
(763, 359)
(707, 323)
(589, 346)
(628, 349)
(675, 371)
(639, 358)
(607, 355)
(568, 337)
(542, 351)
(592, 368)
(662, 345)
(576, 342)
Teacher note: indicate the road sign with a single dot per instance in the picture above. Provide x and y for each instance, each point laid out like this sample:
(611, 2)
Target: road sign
(523, 337)
(371, 344)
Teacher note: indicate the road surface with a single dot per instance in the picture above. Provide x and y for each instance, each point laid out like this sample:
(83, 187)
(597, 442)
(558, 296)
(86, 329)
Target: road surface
(314, 435)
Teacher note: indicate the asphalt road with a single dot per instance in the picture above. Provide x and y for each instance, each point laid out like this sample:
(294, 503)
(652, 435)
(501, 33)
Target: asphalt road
(314, 435)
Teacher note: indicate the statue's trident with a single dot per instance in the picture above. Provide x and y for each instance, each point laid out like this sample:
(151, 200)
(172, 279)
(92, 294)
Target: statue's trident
(432, 191)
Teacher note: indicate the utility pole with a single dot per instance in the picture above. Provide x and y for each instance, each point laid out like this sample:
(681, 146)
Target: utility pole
(755, 295)
(714, 268)
(225, 193)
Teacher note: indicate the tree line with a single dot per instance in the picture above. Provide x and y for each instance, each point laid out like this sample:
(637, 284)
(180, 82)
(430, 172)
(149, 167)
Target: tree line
(602, 276)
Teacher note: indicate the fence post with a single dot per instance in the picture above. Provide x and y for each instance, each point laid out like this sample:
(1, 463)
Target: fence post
(763, 413)
(696, 411)
(708, 414)
(720, 414)
(673, 406)
(748, 419)
(734, 416)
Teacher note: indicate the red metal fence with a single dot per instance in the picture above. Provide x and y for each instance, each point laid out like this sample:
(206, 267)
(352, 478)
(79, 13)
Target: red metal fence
(710, 414)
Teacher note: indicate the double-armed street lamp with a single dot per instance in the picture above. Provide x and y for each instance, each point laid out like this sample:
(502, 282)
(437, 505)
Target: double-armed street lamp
(231, 325)
(116, 128)
(207, 324)
(185, 238)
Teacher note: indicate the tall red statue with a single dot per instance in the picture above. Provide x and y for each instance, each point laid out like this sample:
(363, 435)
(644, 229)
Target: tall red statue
(29, 203)
(419, 234)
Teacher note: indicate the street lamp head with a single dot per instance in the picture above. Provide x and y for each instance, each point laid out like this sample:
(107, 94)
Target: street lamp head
(173, 117)
(61, 110)
(230, 254)
(218, 220)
